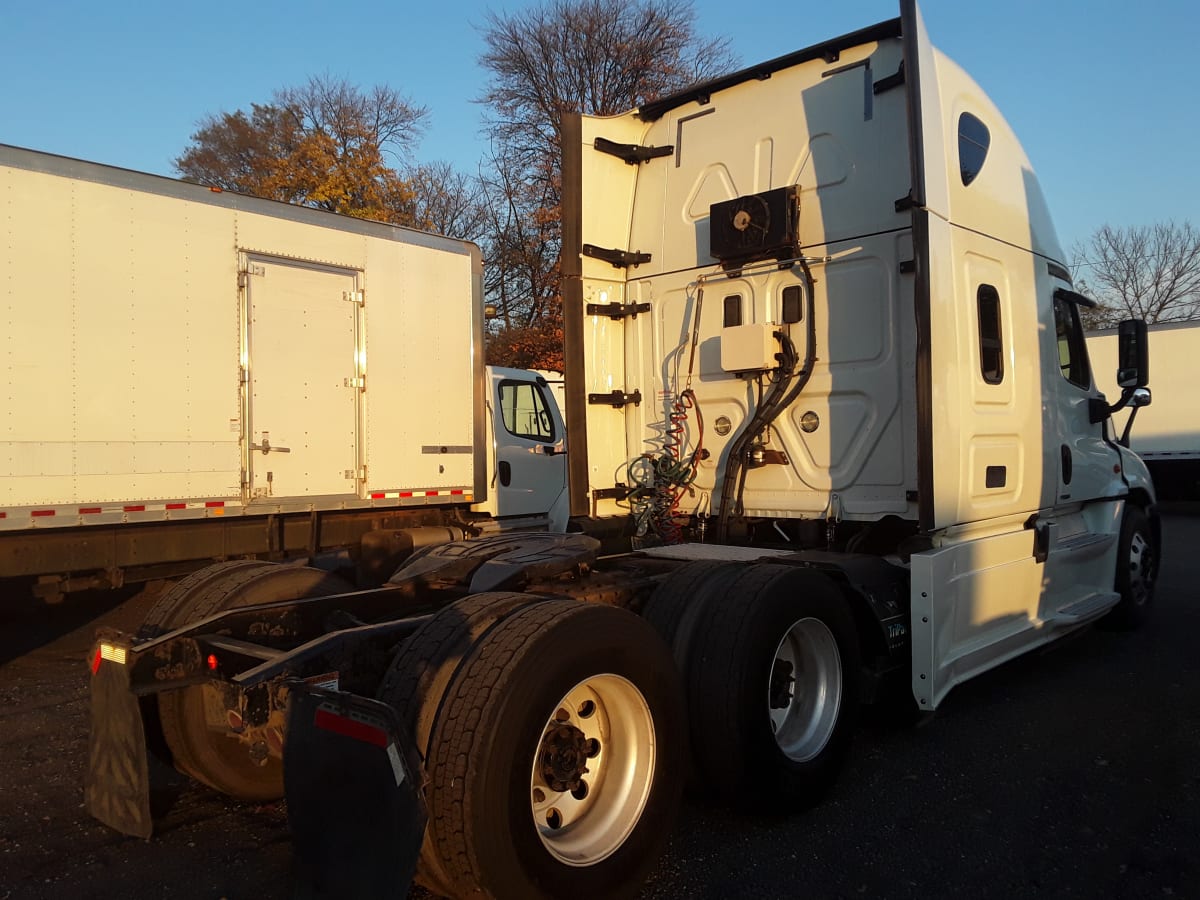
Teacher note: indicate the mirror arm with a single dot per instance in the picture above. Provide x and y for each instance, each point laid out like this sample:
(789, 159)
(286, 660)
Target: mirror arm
(1099, 409)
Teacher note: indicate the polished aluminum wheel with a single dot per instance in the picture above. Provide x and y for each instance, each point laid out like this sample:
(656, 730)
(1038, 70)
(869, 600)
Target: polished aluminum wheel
(593, 770)
(805, 690)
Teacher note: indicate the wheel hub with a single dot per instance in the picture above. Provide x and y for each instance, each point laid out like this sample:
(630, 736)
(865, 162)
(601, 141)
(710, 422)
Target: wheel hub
(564, 755)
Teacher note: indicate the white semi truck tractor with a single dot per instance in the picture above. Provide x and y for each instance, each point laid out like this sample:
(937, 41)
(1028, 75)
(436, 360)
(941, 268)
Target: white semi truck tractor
(833, 431)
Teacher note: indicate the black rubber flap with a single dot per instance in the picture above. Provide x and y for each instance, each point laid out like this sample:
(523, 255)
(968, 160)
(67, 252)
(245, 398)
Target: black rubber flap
(355, 807)
(117, 789)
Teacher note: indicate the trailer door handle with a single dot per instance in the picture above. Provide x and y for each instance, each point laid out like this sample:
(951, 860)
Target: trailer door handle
(266, 447)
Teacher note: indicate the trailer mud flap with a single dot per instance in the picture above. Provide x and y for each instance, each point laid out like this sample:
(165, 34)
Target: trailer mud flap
(117, 789)
(355, 805)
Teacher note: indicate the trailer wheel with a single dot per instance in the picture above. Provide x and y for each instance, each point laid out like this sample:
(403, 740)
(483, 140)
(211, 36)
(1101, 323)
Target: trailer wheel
(422, 668)
(773, 687)
(1137, 571)
(555, 759)
(161, 619)
(212, 756)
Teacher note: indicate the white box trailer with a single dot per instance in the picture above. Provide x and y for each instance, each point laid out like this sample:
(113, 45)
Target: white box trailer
(1166, 434)
(263, 378)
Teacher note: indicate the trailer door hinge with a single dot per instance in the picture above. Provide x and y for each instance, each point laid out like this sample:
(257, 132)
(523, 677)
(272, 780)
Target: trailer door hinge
(617, 310)
(616, 399)
(360, 473)
(620, 259)
(359, 382)
(252, 269)
(631, 153)
(353, 297)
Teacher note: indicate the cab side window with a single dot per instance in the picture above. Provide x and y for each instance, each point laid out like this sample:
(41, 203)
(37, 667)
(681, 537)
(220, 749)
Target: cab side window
(1072, 353)
(524, 411)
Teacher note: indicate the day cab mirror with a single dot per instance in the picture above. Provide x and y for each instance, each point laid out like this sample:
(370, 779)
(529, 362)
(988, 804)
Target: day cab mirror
(1133, 354)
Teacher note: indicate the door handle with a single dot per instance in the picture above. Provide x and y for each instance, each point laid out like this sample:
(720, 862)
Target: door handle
(266, 447)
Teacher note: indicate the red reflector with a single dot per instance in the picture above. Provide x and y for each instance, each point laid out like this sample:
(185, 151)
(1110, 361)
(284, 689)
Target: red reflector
(139, 508)
(42, 512)
(214, 504)
(90, 510)
(212, 661)
(431, 493)
(406, 493)
(176, 506)
(456, 493)
(3, 515)
(378, 495)
(96, 662)
(350, 728)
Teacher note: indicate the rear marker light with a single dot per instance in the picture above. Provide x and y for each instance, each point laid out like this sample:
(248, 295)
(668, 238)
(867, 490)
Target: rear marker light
(113, 653)
(96, 661)
(212, 661)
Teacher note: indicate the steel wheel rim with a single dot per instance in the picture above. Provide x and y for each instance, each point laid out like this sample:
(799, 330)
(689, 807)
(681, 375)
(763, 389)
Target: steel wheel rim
(805, 690)
(583, 830)
(1141, 562)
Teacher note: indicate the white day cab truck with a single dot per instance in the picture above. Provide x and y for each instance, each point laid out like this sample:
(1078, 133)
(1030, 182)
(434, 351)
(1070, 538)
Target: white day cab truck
(187, 380)
(1167, 434)
(833, 430)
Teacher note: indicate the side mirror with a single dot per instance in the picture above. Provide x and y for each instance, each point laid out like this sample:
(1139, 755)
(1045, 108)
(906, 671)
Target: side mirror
(1133, 355)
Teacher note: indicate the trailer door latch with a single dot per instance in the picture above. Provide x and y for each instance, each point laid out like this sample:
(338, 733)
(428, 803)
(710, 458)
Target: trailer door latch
(616, 399)
(620, 259)
(617, 310)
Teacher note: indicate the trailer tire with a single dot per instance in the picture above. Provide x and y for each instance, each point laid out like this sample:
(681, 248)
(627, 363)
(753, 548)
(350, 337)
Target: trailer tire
(205, 754)
(418, 675)
(1137, 571)
(161, 619)
(773, 622)
(515, 728)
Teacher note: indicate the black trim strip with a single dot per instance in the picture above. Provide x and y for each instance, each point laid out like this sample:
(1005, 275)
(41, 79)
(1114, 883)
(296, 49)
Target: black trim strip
(571, 269)
(828, 51)
(1073, 297)
(1057, 271)
(921, 310)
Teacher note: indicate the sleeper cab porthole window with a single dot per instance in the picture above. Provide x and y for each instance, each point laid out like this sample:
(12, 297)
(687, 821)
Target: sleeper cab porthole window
(973, 142)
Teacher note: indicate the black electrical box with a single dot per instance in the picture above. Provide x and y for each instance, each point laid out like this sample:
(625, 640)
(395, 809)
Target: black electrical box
(754, 227)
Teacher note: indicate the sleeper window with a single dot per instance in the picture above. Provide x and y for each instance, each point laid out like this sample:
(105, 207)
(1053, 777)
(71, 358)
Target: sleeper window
(973, 142)
(991, 338)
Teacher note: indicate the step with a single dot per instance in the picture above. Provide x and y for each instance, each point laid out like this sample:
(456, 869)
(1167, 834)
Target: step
(1086, 607)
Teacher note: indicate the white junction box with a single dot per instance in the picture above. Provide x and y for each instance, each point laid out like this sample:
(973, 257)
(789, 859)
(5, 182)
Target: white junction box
(749, 348)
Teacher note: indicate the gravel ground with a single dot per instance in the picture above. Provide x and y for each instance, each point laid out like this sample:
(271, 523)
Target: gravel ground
(1069, 773)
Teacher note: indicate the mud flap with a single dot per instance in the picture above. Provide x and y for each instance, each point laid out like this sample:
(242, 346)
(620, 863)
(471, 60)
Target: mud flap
(355, 805)
(117, 789)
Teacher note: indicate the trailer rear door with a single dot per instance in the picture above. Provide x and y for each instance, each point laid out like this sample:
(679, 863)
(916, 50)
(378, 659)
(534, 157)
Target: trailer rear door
(302, 379)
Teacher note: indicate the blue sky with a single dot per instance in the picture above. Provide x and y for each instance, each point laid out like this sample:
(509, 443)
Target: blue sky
(1103, 94)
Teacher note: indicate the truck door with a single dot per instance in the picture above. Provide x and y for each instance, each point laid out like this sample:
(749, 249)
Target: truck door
(530, 475)
(301, 379)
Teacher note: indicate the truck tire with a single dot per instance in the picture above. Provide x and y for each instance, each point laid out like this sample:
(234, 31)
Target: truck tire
(773, 688)
(676, 605)
(417, 678)
(1137, 571)
(161, 619)
(555, 757)
(211, 757)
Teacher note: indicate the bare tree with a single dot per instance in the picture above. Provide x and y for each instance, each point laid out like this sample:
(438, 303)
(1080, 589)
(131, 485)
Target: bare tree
(448, 201)
(1150, 273)
(599, 57)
